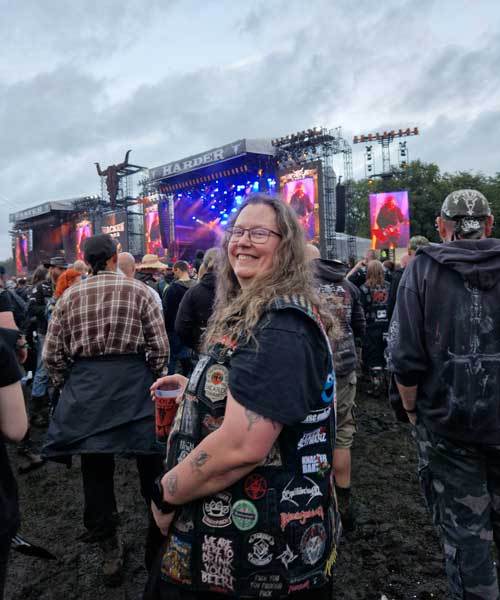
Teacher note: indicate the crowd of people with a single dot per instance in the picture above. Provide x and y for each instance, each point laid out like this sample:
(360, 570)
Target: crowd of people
(265, 343)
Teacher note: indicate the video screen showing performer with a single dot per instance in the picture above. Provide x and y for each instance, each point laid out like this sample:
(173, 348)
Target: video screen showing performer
(152, 231)
(390, 224)
(22, 254)
(300, 195)
(83, 231)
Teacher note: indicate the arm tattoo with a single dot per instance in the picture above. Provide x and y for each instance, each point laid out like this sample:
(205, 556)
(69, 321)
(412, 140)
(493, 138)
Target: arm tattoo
(199, 460)
(253, 417)
(172, 484)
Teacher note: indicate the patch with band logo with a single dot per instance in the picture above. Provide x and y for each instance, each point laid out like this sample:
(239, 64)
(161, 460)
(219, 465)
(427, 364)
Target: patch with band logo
(300, 487)
(176, 562)
(184, 447)
(317, 416)
(301, 516)
(217, 510)
(287, 557)
(184, 521)
(313, 543)
(255, 486)
(216, 382)
(244, 515)
(189, 416)
(328, 392)
(311, 438)
(197, 373)
(317, 463)
(260, 545)
(211, 423)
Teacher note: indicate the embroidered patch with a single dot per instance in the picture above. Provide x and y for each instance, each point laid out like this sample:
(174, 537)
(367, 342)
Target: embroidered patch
(197, 373)
(217, 556)
(184, 448)
(302, 516)
(176, 562)
(317, 463)
(298, 487)
(184, 522)
(211, 423)
(217, 510)
(273, 459)
(216, 382)
(328, 389)
(312, 544)
(255, 486)
(189, 416)
(317, 416)
(266, 585)
(318, 436)
(287, 557)
(244, 515)
(260, 549)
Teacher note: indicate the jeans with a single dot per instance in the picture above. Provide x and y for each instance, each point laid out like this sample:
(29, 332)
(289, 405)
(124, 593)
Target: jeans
(41, 378)
(100, 513)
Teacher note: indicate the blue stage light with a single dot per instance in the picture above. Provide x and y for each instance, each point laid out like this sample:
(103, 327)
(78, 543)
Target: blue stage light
(255, 186)
(238, 199)
(233, 210)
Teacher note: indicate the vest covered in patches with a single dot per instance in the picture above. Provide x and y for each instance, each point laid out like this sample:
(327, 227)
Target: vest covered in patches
(275, 531)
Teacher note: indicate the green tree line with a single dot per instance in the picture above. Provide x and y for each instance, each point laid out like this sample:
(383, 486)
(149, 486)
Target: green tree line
(427, 188)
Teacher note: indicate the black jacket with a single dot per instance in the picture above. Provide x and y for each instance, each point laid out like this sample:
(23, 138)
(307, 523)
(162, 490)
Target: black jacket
(445, 338)
(195, 310)
(38, 301)
(172, 299)
(342, 298)
(148, 279)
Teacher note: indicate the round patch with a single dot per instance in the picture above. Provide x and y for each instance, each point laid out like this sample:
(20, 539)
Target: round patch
(255, 486)
(244, 515)
(312, 544)
(216, 382)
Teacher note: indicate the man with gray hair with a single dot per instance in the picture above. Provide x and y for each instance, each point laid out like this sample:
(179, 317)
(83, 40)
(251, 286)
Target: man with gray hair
(444, 347)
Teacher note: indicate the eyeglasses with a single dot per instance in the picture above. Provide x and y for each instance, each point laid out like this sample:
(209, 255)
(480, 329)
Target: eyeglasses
(257, 235)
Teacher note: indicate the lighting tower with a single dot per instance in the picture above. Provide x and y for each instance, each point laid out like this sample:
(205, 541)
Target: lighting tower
(385, 140)
(319, 143)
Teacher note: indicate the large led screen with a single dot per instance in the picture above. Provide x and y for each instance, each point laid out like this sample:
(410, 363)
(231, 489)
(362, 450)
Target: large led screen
(389, 220)
(22, 254)
(299, 189)
(115, 225)
(83, 231)
(152, 237)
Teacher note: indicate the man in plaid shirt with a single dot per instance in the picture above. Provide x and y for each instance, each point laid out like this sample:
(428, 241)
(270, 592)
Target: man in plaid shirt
(105, 345)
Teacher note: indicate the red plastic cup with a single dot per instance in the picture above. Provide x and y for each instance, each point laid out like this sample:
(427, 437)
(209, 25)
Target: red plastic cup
(165, 409)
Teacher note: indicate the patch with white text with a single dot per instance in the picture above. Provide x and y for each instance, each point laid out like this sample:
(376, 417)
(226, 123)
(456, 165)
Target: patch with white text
(260, 549)
(300, 488)
(217, 510)
(216, 382)
(217, 558)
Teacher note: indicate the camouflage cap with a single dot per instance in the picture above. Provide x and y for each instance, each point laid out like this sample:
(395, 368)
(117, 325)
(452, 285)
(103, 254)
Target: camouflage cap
(465, 204)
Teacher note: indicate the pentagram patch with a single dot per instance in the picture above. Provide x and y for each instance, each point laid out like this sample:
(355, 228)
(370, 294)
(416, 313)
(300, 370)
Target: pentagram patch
(255, 486)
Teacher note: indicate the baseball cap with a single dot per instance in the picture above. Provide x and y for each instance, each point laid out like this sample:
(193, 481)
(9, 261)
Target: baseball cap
(56, 261)
(465, 204)
(98, 248)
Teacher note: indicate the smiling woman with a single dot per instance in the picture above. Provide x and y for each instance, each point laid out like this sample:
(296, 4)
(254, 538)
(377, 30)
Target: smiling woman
(246, 504)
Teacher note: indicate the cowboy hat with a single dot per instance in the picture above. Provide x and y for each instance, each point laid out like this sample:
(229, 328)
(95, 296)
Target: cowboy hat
(151, 261)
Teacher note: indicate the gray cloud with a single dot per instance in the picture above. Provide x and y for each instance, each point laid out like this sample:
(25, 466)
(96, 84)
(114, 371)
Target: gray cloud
(279, 69)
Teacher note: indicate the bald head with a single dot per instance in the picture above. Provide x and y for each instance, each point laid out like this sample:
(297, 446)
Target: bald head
(126, 264)
(81, 266)
(312, 253)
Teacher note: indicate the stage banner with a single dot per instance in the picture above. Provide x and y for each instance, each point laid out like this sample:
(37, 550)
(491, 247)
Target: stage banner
(299, 189)
(115, 225)
(389, 220)
(83, 231)
(152, 235)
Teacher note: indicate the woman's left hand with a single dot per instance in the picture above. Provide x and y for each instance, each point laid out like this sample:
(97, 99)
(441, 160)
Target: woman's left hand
(162, 521)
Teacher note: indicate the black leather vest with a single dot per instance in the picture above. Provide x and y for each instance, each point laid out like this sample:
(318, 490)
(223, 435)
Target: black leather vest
(276, 530)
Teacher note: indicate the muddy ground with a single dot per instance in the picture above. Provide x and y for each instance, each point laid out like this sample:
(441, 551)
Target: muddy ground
(394, 551)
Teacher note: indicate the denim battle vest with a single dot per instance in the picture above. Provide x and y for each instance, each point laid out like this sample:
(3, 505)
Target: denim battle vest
(275, 531)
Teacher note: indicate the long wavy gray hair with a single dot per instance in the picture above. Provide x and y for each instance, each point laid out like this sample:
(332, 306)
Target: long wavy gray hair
(236, 310)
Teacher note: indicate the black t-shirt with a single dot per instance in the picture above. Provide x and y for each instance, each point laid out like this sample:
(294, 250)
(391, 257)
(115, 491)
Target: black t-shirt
(9, 515)
(283, 376)
(5, 303)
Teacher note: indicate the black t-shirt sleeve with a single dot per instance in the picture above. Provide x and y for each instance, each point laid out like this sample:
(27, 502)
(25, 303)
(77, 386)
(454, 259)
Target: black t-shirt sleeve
(282, 376)
(5, 303)
(10, 371)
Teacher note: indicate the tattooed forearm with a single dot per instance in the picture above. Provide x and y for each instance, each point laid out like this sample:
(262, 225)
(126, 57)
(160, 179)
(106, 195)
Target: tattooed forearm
(253, 417)
(199, 460)
(172, 484)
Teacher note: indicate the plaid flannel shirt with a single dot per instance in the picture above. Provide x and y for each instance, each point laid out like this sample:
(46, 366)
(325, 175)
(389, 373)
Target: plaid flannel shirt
(105, 314)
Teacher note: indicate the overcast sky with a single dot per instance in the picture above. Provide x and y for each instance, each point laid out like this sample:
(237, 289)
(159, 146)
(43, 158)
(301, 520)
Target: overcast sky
(84, 80)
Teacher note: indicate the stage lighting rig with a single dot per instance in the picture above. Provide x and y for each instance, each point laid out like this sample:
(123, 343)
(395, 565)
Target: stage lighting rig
(385, 140)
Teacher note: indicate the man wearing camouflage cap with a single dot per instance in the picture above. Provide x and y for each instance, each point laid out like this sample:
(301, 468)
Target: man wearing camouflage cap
(444, 345)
